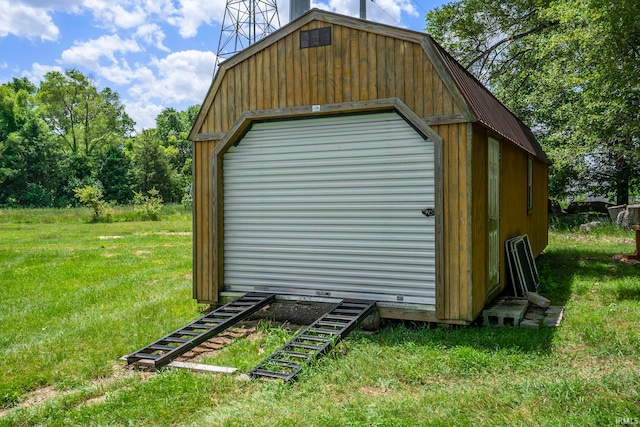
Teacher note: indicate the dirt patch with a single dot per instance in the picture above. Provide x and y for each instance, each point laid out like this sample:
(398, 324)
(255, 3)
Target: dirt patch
(375, 391)
(626, 259)
(166, 233)
(35, 397)
(213, 346)
(96, 400)
(109, 237)
(591, 238)
(45, 394)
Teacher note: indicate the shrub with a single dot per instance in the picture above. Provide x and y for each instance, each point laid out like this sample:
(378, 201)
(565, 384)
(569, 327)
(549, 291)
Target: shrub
(187, 201)
(148, 206)
(91, 196)
(36, 196)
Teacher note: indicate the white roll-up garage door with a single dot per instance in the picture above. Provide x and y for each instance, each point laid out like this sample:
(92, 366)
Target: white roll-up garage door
(331, 206)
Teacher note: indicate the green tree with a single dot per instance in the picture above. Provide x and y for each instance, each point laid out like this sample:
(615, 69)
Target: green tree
(151, 167)
(173, 128)
(16, 104)
(116, 175)
(31, 166)
(86, 119)
(570, 69)
(170, 122)
(80, 172)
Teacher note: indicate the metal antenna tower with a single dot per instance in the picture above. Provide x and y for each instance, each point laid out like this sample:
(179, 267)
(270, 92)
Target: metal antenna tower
(245, 22)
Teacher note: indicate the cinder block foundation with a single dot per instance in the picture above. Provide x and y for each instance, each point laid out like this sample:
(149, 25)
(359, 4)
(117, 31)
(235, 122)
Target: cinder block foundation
(518, 313)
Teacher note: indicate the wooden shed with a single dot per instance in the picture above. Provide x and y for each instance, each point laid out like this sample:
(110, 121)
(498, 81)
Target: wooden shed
(340, 158)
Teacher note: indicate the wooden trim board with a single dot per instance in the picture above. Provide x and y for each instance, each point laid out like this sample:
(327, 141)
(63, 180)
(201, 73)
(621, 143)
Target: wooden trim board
(202, 368)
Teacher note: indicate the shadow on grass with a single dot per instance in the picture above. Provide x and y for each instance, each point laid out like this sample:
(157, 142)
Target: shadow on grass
(628, 292)
(558, 268)
(535, 341)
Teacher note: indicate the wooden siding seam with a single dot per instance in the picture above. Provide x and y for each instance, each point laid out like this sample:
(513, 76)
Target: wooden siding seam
(448, 119)
(209, 136)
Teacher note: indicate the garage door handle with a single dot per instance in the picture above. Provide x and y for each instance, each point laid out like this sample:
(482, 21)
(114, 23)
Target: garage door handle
(428, 212)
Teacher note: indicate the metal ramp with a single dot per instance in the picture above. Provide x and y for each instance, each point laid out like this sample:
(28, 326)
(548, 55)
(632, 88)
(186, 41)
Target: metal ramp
(314, 340)
(195, 333)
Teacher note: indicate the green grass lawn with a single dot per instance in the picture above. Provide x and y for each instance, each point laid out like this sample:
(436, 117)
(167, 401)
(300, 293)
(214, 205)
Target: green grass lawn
(74, 297)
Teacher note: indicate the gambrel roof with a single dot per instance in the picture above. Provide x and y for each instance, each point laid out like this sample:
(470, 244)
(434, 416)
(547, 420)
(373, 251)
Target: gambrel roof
(487, 109)
(475, 101)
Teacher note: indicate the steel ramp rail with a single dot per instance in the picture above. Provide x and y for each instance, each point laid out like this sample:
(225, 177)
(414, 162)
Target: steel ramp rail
(314, 340)
(195, 333)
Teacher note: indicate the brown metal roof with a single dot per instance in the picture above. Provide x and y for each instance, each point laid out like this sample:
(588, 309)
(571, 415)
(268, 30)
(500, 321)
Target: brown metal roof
(488, 110)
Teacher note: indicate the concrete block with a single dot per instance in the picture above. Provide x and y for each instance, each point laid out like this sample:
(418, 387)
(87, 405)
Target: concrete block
(537, 317)
(538, 300)
(505, 311)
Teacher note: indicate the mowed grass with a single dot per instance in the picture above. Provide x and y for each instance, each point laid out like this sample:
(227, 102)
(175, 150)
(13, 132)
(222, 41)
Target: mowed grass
(74, 297)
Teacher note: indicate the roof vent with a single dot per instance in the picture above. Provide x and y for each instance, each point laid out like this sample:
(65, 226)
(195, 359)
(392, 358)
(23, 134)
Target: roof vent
(316, 37)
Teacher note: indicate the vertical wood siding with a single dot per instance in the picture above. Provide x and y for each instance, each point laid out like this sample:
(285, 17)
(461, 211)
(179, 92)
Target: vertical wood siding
(357, 66)
(455, 302)
(480, 243)
(514, 218)
(204, 288)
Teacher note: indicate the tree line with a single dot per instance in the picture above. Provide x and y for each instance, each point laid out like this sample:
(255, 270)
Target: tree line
(570, 69)
(66, 134)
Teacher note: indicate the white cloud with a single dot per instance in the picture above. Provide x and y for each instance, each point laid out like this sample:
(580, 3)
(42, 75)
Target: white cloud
(70, 5)
(129, 13)
(152, 34)
(193, 13)
(180, 77)
(390, 11)
(89, 53)
(123, 14)
(4, 65)
(37, 72)
(384, 11)
(121, 73)
(124, 18)
(22, 20)
(283, 11)
(143, 113)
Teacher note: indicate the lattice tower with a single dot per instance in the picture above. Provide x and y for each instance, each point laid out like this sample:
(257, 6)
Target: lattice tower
(246, 22)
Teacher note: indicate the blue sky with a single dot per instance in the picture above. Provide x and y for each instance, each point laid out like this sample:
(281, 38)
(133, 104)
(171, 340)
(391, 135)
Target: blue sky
(155, 53)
